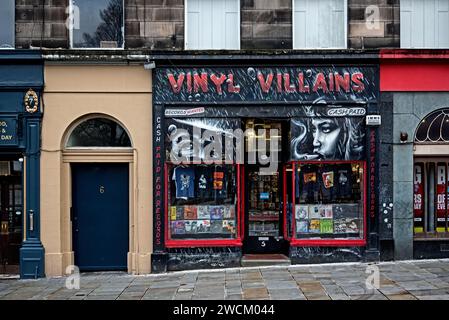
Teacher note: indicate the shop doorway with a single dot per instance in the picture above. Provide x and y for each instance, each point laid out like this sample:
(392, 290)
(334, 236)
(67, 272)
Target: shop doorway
(100, 215)
(11, 214)
(264, 215)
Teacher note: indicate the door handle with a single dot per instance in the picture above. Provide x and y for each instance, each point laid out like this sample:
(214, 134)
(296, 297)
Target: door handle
(31, 215)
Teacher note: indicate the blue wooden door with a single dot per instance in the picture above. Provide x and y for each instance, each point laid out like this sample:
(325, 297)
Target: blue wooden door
(100, 204)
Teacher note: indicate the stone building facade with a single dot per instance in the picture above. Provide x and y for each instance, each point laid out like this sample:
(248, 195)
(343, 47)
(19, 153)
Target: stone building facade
(154, 37)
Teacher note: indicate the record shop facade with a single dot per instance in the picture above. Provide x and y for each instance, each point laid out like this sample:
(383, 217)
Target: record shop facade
(265, 156)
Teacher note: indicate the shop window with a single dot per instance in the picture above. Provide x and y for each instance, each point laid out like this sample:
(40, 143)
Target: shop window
(430, 194)
(329, 200)
(97, 24)
(434, 128)
(430, 176)
(98, 132)
(202, 201)
(212, 24)
(203, 195)
(7, 24)
(11, 214)
(424, 24)
(319, 24)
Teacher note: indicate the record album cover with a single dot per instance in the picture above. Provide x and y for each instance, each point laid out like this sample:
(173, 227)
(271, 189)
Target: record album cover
(302, 226)
(229, 212)
(314, 212)
(190, 212)
(326, 226)
(314, 226)
(178, 227)
(228, 226)
(325, 211)
(203, 226)
(301, 211)
(216, 226)
(216, 212)
(203, 212)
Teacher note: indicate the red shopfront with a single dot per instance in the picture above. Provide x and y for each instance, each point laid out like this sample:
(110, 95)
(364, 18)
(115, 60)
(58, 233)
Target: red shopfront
(415, 83)
(263, 161)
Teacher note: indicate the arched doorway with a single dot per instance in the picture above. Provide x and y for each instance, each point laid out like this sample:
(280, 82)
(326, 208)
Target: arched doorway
(100, 207)
(431, 177)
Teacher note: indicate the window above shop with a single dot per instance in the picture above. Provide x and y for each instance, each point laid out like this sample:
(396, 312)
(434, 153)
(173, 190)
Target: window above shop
(7, 24)
(98, 132)
(212, 25)
(434, 128)
(97, 24)
(319, 24)
(424, 24)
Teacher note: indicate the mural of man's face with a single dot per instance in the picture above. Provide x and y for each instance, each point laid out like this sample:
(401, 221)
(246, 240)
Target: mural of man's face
(325, 137)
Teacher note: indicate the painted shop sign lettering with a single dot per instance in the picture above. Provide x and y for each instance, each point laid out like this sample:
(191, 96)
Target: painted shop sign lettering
(8, 131)
(182, 112)
(265, 84)
(345, 112)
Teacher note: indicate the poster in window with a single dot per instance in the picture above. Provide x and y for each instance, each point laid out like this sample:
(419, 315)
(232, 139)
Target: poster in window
(318, 136)
(199, 139)
(441, 198)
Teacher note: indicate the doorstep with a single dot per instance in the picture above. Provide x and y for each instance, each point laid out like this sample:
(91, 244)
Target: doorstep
(257, 260)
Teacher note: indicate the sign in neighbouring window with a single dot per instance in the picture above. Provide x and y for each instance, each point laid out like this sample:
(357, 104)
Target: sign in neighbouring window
(319, 24)
(97, 24)
(212, 24)
(424, 24)
(430, 197)
(7, 23)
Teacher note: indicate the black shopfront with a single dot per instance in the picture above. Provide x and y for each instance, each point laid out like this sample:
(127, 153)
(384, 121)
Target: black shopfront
(263, 158)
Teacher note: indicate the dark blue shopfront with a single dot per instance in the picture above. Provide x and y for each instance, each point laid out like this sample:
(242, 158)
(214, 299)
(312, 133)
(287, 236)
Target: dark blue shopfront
(21, 83)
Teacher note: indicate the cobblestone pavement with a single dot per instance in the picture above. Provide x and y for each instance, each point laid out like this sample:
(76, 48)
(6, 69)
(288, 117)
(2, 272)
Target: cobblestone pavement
(408, 280)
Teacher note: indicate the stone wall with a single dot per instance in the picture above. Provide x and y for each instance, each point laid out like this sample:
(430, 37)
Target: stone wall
(41, 23)
(159, 24)
(154, 24)
(266, 24)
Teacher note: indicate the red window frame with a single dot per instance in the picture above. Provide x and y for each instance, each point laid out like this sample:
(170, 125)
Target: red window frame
(181, 243)
(295, 242)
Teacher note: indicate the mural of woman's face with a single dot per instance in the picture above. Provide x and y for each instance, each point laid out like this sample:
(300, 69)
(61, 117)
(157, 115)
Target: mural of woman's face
(326, 134)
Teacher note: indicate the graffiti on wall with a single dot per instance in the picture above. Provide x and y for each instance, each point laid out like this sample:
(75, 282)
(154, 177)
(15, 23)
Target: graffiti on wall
(237, 84)
(318, 136)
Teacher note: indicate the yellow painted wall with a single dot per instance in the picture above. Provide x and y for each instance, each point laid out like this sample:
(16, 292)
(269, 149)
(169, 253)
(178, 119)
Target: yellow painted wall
(71, 93)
